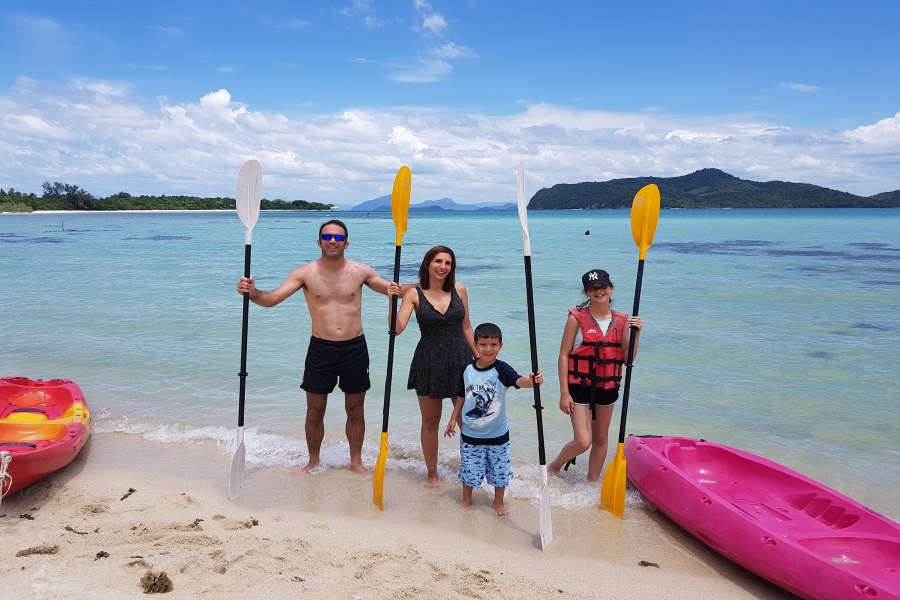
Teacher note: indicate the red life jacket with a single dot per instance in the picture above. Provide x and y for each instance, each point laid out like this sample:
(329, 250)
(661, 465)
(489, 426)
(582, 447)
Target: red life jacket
(602, 354)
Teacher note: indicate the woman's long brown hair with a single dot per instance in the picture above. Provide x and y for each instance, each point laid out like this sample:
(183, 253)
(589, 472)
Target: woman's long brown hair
(450, 281)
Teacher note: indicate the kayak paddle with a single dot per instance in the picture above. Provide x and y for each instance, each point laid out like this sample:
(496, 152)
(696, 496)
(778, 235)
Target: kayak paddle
(544, 511)
(249, 190)
(644, 217)
(400, 211)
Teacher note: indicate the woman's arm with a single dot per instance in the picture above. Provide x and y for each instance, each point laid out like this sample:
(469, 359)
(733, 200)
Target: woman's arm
(467, 324)
(410, 303)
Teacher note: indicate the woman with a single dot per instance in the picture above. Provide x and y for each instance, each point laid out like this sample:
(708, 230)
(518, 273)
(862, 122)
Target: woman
(593, 349)
(447, 343)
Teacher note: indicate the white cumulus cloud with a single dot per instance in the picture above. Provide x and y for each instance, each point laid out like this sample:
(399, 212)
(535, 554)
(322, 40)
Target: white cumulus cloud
(105, 141)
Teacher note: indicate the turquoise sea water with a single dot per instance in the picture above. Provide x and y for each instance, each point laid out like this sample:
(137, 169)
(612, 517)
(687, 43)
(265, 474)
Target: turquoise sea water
(775, 331)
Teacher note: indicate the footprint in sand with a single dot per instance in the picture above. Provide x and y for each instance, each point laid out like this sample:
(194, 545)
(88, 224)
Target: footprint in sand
(234, 524)
(95, 509)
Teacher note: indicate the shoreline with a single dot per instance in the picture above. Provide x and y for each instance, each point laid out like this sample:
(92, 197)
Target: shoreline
(128, 506)
(420, 212)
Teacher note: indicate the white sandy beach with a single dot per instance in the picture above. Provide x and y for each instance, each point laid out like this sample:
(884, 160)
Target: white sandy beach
(128, 507)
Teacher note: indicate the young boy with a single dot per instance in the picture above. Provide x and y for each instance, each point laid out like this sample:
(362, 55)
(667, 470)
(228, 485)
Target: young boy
(480, 409)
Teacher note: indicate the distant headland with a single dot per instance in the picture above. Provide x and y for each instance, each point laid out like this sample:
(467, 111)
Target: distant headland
(706, 188)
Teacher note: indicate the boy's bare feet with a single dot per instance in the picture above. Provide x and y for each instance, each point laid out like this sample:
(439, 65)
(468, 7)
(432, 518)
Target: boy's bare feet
(500, 509)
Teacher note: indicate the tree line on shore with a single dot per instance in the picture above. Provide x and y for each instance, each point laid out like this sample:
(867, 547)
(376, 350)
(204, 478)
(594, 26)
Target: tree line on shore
(64, 196)
(706, 188)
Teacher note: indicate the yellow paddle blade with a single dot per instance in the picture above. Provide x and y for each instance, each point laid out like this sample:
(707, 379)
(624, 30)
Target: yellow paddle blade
(400, 201)
(378, 478)
(644, 217)
(612, 491)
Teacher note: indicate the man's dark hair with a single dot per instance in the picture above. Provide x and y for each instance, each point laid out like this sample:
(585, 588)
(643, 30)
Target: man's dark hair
(337, 222)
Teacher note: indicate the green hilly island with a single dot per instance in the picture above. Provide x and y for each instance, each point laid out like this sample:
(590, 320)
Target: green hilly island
(707, 188)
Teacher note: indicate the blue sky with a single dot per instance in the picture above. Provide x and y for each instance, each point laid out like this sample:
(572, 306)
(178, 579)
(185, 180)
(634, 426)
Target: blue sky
(172, 97)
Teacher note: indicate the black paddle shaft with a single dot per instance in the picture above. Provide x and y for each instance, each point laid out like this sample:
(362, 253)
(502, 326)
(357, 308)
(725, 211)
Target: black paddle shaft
(393, 336)
(244, 328)
(632, 334)
(529, 293)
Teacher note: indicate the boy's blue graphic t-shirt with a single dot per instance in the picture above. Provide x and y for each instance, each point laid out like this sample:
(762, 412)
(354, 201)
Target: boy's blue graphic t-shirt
(484, 408)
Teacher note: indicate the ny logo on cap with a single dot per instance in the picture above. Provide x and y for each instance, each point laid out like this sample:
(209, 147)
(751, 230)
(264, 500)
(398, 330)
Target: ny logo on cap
(593, 275)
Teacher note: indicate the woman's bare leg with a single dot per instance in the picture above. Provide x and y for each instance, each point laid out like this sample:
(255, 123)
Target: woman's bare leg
(431, 421)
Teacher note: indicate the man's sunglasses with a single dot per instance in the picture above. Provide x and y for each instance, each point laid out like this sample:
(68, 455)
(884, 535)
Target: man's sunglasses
(327, 237)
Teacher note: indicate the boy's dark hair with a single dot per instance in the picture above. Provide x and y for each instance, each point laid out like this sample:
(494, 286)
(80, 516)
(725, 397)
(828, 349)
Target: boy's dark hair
(334, 222)
(488, 330)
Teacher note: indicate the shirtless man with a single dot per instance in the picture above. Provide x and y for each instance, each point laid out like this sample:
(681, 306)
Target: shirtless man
(332, 287)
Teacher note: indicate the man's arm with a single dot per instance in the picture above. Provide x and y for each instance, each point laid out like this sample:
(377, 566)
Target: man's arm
(377, 283)
(284, 291)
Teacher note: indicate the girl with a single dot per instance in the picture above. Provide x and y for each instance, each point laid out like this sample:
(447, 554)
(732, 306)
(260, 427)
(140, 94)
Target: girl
(593, 349)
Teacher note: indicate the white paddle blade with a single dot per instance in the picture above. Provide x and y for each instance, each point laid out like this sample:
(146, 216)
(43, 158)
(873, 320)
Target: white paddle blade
(523, 210)
(236, 483)
(544, 511)
(249, 193)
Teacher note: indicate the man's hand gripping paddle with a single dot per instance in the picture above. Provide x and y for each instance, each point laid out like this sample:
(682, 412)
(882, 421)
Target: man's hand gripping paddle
(249, 191)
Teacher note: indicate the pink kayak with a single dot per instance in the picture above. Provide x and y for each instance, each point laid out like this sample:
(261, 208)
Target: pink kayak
(799, 534)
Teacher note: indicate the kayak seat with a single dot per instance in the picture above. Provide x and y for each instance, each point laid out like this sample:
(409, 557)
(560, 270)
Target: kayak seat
(823, 510)
(32, 431)
(17, 412)
(44, 403)
(720, 469)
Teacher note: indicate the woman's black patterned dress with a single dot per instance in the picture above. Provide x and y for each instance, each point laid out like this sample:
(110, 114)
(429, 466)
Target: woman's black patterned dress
(442, 351)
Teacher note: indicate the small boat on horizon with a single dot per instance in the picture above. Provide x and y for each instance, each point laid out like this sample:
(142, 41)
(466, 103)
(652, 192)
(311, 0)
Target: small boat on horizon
(43, 426)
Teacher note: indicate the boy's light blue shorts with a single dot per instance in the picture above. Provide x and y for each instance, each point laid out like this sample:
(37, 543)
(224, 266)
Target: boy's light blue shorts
(480, 462)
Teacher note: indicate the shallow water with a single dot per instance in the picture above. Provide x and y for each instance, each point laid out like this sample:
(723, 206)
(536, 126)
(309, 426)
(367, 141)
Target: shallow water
(770, 330)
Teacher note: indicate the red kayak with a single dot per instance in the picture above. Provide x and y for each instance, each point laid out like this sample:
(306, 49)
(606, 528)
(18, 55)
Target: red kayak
(43, 426)
(799, 534)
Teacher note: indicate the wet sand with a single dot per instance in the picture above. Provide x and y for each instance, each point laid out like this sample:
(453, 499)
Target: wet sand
(129, 510)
